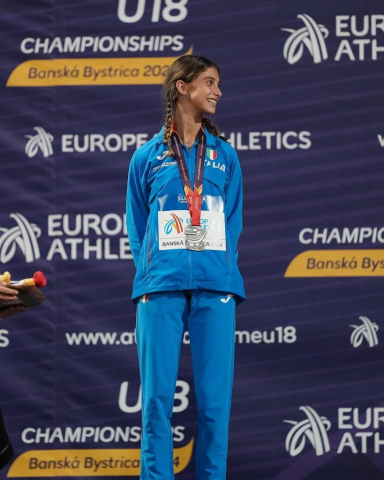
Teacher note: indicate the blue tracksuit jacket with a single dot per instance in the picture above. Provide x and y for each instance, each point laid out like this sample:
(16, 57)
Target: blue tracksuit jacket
(157, 213)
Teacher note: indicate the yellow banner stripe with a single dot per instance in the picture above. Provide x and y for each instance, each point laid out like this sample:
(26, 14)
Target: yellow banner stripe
(91, 71)
(88, 463)
(337, 263)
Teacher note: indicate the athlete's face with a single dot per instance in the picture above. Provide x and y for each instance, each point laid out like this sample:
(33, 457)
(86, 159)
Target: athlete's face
(204, 91)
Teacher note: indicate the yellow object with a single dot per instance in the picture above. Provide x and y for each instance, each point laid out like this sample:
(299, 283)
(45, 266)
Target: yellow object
(6, 277)
(98, 462)
(91, 71)
(337, 263)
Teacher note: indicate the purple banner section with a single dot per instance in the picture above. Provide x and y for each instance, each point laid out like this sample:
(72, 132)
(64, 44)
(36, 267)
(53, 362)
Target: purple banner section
(302, 104)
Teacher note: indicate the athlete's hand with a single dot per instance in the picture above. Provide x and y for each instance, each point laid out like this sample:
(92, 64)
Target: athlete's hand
(12, 310)
(7, 293)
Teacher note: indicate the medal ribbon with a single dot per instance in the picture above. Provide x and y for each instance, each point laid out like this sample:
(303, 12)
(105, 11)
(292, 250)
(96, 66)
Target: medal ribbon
(192, 194)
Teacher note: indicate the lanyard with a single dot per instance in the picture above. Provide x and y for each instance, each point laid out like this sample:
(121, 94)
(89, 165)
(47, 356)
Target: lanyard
(193, 194)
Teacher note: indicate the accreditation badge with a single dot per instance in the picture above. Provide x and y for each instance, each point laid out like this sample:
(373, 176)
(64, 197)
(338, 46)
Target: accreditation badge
(177, 232)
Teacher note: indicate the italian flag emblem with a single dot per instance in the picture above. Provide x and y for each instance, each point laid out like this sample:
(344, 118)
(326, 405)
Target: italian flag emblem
(211, 154)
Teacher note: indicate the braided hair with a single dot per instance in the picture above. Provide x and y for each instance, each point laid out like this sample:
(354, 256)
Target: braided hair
(185, 68)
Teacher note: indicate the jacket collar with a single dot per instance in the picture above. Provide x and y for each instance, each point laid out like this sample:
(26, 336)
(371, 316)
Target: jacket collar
(211, 139)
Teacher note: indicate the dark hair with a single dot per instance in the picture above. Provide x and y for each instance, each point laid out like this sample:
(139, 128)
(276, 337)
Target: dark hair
(185, 68)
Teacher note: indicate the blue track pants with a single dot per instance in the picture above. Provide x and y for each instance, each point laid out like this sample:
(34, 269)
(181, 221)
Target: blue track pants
(161, 321)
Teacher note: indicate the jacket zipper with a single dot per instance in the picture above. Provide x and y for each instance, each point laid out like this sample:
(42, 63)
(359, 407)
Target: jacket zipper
(145, 246)
(149, 252)
(190, 269)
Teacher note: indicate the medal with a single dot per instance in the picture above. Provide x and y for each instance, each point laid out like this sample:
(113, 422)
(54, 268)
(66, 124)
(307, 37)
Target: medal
(194, 233)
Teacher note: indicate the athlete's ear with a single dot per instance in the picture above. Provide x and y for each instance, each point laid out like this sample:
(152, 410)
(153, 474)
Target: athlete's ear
(181, 87)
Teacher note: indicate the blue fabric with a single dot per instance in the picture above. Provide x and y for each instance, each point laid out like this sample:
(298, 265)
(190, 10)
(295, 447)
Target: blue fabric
(154, 184)
(210, 319)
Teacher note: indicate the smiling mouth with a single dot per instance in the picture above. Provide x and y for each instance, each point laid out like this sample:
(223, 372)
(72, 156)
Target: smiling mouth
(211, 101)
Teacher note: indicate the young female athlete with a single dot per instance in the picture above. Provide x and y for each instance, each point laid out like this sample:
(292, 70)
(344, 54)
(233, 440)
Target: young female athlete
(184, 219)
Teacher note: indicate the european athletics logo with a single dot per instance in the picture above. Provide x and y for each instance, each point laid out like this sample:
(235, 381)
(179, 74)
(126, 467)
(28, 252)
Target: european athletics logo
(43, 141)
(175, 223)
(25, 236)
(311, 35)
(367, 331)
(314, 428)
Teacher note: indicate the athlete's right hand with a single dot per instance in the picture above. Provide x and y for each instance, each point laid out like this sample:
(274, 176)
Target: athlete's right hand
(7, 293)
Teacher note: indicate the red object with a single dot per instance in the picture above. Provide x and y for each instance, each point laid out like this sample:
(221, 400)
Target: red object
(40, 280)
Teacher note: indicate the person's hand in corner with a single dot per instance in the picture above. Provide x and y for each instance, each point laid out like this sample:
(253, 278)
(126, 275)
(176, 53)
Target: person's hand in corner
(6, 294)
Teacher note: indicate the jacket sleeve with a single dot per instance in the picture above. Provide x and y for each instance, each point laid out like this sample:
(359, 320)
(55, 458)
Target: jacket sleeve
(234, 203)
(137, 206)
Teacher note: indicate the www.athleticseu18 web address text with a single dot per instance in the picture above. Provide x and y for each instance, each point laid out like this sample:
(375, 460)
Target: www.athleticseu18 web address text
(287, 334)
